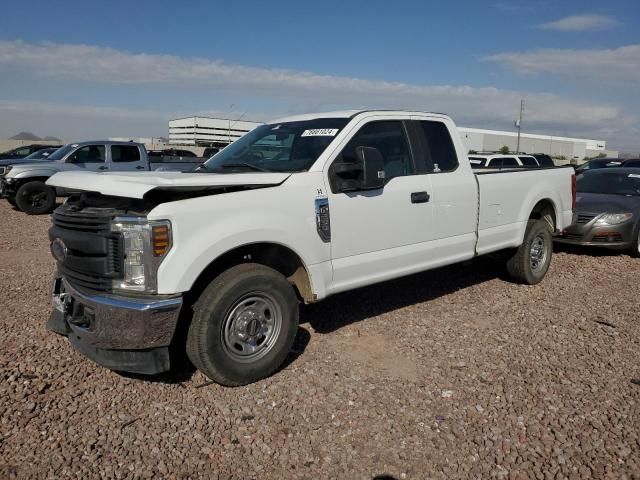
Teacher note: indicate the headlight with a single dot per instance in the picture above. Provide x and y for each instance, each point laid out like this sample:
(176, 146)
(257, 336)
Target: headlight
(145, 245)
(613, 218)
(7, 169)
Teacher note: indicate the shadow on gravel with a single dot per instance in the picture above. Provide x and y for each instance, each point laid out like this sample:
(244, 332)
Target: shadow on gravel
(182, 370)
(591, 251)
(350, 307)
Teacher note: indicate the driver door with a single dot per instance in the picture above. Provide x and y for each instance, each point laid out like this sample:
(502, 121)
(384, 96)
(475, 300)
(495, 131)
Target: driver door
(88, 157)
(383, 233)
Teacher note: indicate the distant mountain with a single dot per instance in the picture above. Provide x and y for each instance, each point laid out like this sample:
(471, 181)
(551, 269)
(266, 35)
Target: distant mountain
(52, 139)
(25, 136)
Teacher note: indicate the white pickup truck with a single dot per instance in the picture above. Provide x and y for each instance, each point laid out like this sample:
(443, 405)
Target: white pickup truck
(298, 209)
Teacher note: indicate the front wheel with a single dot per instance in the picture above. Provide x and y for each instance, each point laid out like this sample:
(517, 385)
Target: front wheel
(530, 262)
(635, 244)
(36, 198)
(244, 325)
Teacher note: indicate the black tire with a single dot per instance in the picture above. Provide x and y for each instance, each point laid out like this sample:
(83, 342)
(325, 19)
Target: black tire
(634, 250)
(36, 198)
(12, 201)
(526, 265)
(213, 345)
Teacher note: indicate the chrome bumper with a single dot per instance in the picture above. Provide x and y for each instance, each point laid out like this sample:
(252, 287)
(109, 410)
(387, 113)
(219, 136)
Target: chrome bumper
(128, 334)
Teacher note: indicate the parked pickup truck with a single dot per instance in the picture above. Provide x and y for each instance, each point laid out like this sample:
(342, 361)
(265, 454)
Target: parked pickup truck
(218, 260)
(23, 184)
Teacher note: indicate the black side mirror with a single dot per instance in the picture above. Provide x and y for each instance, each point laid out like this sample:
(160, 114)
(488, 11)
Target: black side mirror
(373, 174)
(364, 172)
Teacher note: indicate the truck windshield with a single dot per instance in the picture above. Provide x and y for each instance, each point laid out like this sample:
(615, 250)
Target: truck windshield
(279, 147)
(61, 152)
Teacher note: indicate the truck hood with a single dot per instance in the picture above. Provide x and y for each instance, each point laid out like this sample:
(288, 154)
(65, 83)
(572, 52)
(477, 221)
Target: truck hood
(137, 184)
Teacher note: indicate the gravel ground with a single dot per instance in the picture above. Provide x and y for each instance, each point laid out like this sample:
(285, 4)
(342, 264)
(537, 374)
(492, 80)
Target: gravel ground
(451, 374)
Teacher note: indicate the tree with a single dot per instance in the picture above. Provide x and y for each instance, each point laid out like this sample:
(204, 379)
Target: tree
(504, 150)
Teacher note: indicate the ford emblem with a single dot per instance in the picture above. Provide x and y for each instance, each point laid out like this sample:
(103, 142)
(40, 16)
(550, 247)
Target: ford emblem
(59, 250)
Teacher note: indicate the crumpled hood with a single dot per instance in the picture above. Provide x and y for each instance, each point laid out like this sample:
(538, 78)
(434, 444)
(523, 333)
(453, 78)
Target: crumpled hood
(137, 184)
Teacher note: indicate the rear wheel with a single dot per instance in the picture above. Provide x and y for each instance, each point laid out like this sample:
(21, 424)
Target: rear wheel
(635, 245)
(243, 326)
(530, 262)
(36, 198)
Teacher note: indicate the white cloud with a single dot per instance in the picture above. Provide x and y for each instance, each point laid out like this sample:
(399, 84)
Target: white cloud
(277, 90)
(580, 23)
(621, 63)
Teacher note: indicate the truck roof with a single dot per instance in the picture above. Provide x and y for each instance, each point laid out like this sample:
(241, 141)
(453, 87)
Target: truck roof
(104, 142)
(346, 114)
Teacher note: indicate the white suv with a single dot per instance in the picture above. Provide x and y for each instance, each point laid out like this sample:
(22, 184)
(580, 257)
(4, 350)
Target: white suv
(498, 160)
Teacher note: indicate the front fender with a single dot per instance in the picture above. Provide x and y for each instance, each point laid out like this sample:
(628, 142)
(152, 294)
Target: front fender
(35, 173)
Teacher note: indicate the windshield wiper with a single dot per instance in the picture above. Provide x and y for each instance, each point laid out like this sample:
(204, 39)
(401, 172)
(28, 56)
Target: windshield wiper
(244, 165)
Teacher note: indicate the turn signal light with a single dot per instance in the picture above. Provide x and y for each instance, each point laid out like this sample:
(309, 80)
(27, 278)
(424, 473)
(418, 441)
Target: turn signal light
(160, 240)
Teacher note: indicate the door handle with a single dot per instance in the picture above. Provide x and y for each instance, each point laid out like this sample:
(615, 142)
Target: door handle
(139, 167)
(420, 197)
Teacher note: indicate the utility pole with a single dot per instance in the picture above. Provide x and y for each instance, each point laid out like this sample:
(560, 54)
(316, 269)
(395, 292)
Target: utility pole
(519, 124)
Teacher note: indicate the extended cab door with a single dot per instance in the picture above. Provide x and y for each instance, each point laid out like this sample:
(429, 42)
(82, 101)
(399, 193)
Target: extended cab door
(454, 190)
(127, 158)
(88, 157)
(383, 233)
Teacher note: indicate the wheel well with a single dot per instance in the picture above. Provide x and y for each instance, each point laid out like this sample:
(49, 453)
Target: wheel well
(273, 255)
(545, 210)
(22, 181)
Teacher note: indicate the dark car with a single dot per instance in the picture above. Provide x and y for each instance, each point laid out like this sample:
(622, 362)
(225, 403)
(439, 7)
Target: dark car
(25, 151)
(544, 160)
(37, 156)
(210, 152)
(607, 210)
(171, 152)
(596, 163)
(632, 163)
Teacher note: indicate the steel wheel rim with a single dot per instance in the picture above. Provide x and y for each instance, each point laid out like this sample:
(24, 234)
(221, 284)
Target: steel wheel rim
(538, 253)
(252, 327)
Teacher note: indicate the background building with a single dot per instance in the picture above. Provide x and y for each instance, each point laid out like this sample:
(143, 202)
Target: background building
(205, 131)
(481, 140)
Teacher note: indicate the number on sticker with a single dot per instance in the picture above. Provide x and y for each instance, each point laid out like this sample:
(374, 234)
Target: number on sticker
(320, 132)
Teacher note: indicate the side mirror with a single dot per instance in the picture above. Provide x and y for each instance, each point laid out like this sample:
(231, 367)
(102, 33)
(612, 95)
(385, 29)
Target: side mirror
(365, 172)
(373, 174)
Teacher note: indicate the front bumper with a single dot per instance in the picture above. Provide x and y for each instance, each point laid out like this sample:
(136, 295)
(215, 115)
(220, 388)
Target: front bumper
(619, 236)
(6, 189)
(121, 333)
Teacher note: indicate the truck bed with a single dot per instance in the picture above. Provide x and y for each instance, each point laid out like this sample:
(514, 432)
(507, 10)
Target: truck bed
(506, 197)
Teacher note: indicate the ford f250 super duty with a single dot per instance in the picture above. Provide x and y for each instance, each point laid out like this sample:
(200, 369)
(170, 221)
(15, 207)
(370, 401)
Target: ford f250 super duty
(23, 184)
(218, 260)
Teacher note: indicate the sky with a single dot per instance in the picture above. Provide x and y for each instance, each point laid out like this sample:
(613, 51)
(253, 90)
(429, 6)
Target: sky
(87, 69)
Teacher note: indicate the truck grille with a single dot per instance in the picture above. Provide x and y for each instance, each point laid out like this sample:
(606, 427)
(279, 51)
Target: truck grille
(94, 253)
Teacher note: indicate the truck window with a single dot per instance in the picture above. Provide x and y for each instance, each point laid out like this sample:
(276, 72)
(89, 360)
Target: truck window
(390, 140)
(529, 161)
(125, 153)
(89, 154)
(438, 147)
(504, 162)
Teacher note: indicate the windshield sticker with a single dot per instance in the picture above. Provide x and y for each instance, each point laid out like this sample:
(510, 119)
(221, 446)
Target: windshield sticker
(634, 175)
(320, 132)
